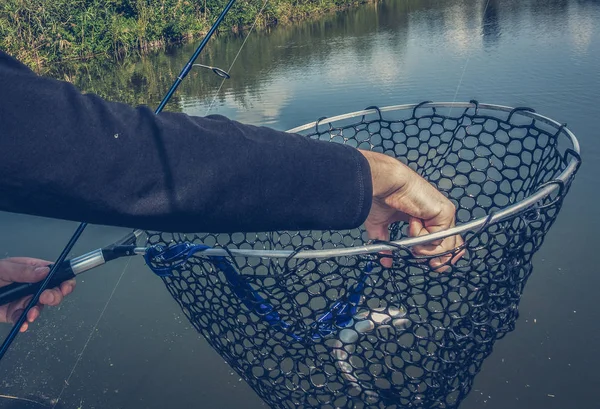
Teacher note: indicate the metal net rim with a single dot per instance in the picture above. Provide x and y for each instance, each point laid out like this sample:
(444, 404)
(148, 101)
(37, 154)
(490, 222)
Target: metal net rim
(509, 211)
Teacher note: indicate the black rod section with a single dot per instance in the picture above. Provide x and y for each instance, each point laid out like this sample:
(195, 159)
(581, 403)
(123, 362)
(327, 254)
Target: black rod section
(188, 66)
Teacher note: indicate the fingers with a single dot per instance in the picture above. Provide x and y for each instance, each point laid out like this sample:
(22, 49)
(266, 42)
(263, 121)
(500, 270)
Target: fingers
(54, 296)
(29, 270)
(442, 263)
(380, 231)
(28, 261)
(417, 228)
(16, 308)
(67, 287)
(32, 315)
(51, 296)
(458, 255)
(11, 271)
(386, 259)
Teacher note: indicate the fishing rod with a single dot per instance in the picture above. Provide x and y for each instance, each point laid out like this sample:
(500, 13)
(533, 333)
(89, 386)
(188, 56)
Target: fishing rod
(58, 267)
(163, 260)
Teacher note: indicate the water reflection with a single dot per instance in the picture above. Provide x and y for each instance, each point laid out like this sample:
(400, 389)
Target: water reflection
(581, 28)
(491, 24)
(370, 51)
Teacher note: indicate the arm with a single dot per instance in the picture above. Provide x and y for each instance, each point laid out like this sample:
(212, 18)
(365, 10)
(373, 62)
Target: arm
(72, 156)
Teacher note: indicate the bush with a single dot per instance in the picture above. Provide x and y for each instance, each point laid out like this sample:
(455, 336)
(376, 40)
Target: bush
(42, 32)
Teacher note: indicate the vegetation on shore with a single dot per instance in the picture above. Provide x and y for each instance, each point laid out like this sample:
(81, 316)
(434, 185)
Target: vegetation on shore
(43, 32)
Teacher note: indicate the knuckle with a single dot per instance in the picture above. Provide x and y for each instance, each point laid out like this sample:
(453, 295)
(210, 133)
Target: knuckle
(450, 207)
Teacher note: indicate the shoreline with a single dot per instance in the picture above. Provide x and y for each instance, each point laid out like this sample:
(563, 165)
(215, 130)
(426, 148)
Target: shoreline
(45, 51)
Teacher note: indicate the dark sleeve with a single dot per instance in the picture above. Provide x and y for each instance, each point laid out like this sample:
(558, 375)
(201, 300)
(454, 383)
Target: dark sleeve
(72, 156)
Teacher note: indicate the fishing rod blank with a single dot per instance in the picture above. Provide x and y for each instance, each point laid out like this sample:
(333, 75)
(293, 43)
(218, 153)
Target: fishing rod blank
(184, 72)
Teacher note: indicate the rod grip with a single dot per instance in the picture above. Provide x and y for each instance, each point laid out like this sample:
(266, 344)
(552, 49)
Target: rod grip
(15, 291)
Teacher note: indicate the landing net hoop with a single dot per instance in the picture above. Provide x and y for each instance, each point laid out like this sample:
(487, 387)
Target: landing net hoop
(312, 319)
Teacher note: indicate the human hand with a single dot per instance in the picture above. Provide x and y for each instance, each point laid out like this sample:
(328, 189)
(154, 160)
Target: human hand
(400, 194)
(29, 270)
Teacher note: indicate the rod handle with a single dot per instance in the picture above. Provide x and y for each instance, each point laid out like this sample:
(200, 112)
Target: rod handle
(15, 291)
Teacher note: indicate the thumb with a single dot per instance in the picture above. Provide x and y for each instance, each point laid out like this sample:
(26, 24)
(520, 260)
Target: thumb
(21, 273)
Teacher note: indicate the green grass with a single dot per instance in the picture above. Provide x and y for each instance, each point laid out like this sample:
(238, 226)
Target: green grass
(44, 32)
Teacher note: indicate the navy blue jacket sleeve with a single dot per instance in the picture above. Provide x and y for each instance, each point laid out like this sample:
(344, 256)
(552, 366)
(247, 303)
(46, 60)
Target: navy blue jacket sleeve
(75, 156)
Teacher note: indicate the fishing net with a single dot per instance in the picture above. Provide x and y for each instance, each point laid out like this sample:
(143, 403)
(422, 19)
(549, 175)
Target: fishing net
(312, 319)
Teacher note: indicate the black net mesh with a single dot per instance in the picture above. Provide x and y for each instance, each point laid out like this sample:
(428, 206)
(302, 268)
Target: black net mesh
(344, 332)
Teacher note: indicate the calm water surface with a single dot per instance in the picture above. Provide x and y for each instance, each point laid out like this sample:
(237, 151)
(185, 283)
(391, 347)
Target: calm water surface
(121, 341)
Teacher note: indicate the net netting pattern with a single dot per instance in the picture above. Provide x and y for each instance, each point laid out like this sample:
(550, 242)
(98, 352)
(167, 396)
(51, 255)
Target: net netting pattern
(345, 332)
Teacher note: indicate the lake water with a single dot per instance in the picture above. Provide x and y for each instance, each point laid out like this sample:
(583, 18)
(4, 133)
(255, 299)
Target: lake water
(121, 342)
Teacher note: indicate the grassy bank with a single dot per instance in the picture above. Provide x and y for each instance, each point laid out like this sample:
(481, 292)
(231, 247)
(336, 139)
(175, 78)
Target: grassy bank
(43, 32)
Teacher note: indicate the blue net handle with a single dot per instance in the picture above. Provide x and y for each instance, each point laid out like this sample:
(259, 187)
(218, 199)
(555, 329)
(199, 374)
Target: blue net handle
(163, 261)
